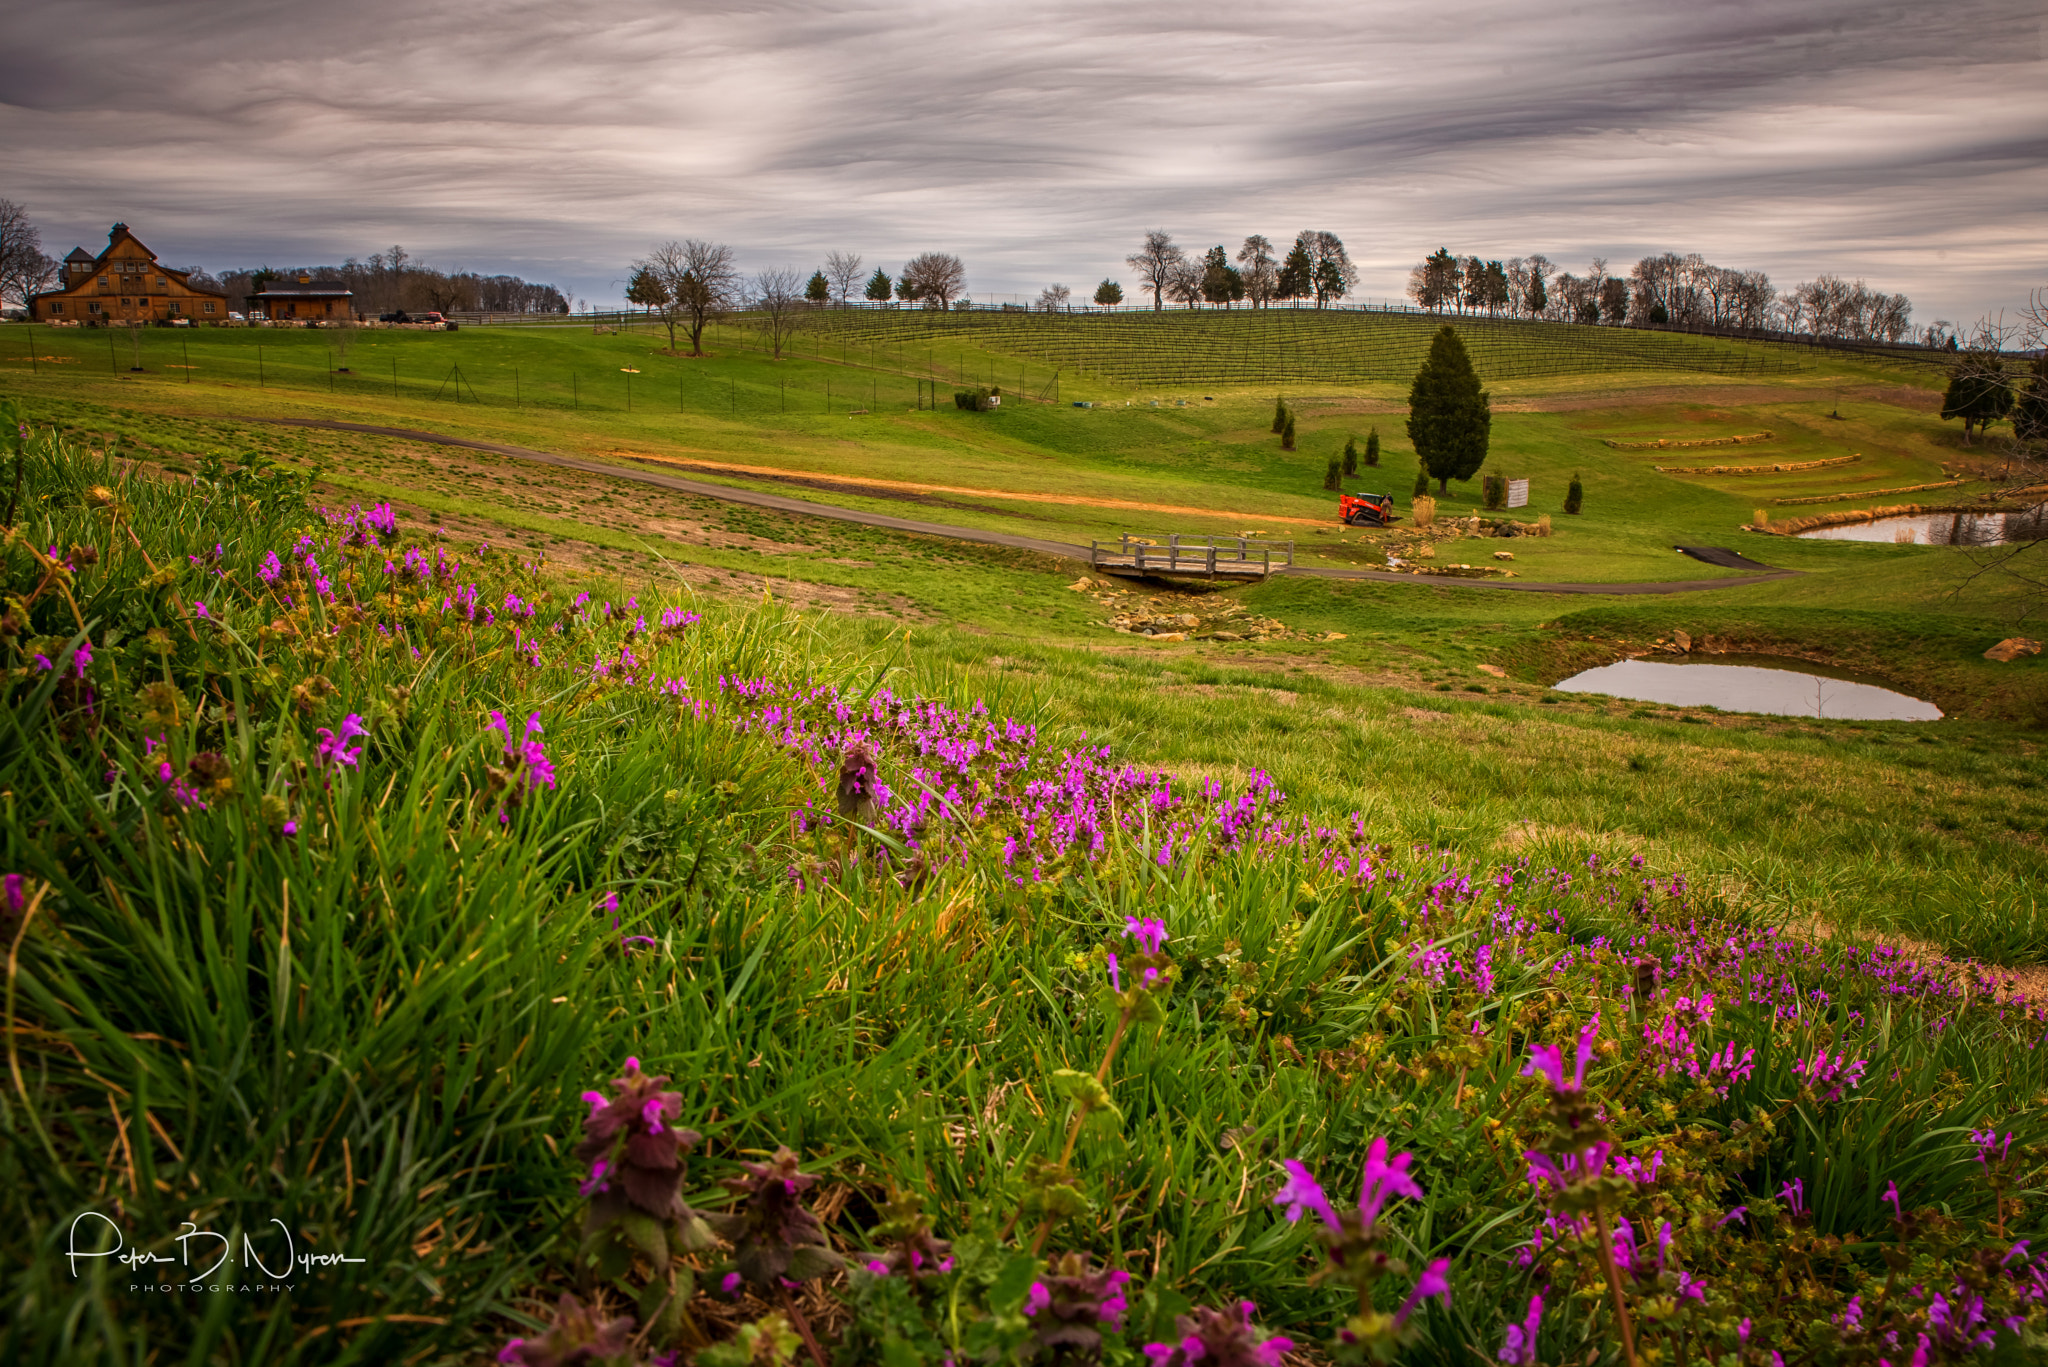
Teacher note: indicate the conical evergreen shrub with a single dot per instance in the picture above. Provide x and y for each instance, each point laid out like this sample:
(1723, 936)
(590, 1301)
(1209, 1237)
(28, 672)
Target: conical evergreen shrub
(1449, 416)
(1287, 434)
(1575, 496)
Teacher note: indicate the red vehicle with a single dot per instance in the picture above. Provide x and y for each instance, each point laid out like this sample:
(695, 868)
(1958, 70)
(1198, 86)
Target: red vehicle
(1366, 510)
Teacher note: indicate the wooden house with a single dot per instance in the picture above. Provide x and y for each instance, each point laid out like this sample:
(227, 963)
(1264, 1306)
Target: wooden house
(301, 296)
(125, 284)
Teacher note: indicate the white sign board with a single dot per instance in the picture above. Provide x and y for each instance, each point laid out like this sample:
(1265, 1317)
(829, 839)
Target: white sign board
(1518, 493)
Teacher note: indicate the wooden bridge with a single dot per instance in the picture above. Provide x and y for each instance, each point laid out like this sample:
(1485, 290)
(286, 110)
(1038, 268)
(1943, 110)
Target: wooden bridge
(1192, 557)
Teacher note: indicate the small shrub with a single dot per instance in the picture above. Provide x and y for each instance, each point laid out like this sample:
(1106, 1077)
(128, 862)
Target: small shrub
(1372, 447)
(1350, 456)
(1421, 482)
(1423, 511)
(1761, 517)
(1333, 477)
(1496, 488)
(1575, 497)
(1279, 416)
(1543, 525)
(1287, 434)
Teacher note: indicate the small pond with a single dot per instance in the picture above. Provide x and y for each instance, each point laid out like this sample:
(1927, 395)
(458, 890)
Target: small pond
(1945, 529)
(1752, 683)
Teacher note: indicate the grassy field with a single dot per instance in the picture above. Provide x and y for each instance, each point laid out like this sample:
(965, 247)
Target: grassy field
(407, 895)
(1345, 693)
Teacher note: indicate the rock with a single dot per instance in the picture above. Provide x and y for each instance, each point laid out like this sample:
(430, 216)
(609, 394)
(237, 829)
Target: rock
(1503, 555)
(1081, 585)
(1494, 670)
(2011, 648)
(1186, 619)
(1684, 641)
(1223, 636)
(1170, 636)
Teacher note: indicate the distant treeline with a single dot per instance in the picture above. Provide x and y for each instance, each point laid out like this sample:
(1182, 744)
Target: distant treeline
(1667, 291)
(392, 280)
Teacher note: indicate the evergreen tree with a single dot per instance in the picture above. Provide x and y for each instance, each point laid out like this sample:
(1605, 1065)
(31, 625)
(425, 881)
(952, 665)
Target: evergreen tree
(1978, 392)
(1372, 447)
(2030, 415)
(819, 289)
(1297, 274)
(1538, 297)
(1449, 416)
(880, 286)
(1287, 434)
(1333, 476)
(1575, 496)
(1109, 292)
(1421, 483)
(1351, 455)
(1279, 416)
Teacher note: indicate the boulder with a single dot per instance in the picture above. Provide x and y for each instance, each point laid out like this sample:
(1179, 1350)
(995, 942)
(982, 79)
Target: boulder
(2011, 648)
(1683, 641)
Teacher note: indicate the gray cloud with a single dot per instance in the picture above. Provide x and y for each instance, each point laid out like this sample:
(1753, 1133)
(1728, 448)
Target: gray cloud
(1902, 142)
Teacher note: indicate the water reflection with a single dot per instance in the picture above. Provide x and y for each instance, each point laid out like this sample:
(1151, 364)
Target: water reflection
(1945, 529)
(1759, 684)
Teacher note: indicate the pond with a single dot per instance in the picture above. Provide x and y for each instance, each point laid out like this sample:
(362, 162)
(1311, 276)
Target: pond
(1945, 529)
(1752, 683)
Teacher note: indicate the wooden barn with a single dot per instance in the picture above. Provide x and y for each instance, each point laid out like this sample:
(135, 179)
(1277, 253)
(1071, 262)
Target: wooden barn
(125, 284)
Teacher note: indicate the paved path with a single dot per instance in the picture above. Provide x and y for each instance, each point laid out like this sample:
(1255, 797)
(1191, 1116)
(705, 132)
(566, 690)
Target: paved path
(1061, 549)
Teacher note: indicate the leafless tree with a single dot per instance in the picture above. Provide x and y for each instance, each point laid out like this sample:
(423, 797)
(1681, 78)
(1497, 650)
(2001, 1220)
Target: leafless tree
(1184, 282)
(688, 284)
(24, 270)
(934, 277)
(1053, 298)
(1155, 263)
(843, 270)
(1261, 269)
(779, 298)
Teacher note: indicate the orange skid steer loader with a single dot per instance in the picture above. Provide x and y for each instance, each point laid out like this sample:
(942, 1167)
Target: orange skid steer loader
(1366, 510)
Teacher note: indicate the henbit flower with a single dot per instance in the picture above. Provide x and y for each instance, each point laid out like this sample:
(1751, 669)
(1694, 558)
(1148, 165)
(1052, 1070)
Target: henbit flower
(1302, 1192)
(1434, 1283)
(1793, 1194)
(291, 828)
(1150, 933)
(13, 894)
(1215, 1338)
(1115, 981)
(1891, 1194)
(731, 1283)
(1382, 1179)
(1987, 1144)
(199, 609)
(1037, 1299)
(1519, 1349)
(576, 1336)
(332, 748)
(1547, 1060)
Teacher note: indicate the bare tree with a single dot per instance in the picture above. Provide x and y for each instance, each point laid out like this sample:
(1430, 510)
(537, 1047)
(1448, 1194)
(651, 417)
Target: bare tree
(1155, 263)
(696, 279)
(934, 277)
(1053, 298)
(1184, 281)
(1261, 269)
(843, 270)
(24, 270)
(1331, 274)
(779, 298)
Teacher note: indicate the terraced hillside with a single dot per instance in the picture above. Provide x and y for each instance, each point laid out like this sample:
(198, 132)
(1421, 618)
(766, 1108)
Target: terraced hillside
(1244, 346)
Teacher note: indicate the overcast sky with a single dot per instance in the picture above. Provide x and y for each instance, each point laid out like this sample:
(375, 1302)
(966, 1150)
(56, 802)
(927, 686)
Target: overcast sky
(1905, 143)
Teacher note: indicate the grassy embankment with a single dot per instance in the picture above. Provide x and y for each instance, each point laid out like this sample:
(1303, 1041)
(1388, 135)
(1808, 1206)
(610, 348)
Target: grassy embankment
(1902, 828)
(264, 971)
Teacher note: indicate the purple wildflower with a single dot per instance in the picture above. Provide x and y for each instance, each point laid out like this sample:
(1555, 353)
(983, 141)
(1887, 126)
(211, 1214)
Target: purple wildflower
(333, 748)
(13, 893)
(1519, 1349)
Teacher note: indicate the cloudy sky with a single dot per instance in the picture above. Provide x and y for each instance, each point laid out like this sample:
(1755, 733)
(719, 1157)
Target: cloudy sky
(1906, 143)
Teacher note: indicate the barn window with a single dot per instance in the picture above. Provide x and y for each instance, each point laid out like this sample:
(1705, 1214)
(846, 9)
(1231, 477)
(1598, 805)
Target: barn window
(209, 308)
(56, 308)
(93, 307)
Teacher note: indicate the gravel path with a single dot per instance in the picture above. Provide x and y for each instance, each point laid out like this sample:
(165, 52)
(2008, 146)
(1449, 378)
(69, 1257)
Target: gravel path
(1061, 549)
